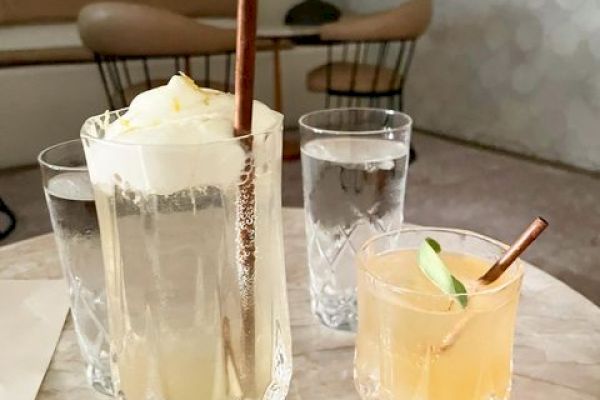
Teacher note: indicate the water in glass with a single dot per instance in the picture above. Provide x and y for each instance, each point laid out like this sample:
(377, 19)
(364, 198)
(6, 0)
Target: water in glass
(73, 213)
(353, 189)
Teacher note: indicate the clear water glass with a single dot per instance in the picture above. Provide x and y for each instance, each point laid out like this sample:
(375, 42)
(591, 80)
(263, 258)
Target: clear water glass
(189, 319)
(70, 200)
(354, 164)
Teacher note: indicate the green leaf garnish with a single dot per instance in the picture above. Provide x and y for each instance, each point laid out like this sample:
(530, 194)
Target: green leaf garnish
(434, 268)
(460, 292)
(434, 245)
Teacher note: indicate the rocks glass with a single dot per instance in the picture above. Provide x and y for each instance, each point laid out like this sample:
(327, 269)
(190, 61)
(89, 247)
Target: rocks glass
(416, 342)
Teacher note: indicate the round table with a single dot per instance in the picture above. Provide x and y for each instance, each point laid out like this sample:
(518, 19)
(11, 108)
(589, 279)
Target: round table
(557, 349)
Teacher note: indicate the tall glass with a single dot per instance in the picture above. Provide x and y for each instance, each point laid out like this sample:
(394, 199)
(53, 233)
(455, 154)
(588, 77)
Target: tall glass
(188, 319)
(414, 342)
(70, 200)
(354, 163)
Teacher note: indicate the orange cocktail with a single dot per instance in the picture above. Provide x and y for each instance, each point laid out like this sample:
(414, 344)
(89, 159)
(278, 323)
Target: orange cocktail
(416, 342)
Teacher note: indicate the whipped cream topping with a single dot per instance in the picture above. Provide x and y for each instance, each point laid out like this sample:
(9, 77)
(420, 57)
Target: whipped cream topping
(153, 147)
(203, 115)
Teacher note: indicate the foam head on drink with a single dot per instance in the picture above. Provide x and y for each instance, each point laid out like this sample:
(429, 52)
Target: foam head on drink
(166, 176)
(179, 113)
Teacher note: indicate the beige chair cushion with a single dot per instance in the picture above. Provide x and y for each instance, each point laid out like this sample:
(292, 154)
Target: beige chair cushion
(408, 21)
(139, 30)
(341, 77)
(29, 11)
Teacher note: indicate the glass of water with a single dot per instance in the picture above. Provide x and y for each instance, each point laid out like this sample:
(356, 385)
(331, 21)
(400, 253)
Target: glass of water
(354, 163)
(70, 200)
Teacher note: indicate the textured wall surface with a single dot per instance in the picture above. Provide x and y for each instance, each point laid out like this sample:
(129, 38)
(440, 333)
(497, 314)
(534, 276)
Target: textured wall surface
(522, 75)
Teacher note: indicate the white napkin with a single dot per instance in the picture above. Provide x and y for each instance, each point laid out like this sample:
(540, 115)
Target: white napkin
(32, 315)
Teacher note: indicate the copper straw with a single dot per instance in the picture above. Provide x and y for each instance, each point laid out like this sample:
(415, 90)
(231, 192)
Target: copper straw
(515, 250)
(244, 66)
(244, 86)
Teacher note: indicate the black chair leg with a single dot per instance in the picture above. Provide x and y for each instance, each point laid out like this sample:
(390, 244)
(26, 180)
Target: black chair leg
(412, 157)
(12, 221)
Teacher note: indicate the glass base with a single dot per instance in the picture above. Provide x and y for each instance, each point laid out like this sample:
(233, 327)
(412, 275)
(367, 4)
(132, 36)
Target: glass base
(282, 369)
(276, 392)
(335, 313)
(368, 388)
(100, 380)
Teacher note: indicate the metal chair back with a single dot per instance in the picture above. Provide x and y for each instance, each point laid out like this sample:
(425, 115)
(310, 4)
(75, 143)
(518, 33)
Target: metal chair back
(387, 64)
(375, 56)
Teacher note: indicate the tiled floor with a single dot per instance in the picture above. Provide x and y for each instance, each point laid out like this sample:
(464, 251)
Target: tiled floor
(450, 185)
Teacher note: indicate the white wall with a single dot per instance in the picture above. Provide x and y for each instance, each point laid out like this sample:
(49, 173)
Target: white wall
(41, 106)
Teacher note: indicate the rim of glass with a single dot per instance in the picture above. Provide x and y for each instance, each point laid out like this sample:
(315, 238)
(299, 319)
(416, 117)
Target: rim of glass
(46, 164)
(406, 125)
(403, 290)
(101, 119)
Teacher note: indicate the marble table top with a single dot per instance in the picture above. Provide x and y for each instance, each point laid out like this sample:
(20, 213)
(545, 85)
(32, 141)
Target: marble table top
(557, 349)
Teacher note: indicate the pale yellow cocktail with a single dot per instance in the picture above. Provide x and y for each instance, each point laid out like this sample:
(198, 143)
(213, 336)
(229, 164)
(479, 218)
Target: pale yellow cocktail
(415, 342)
(190, 221)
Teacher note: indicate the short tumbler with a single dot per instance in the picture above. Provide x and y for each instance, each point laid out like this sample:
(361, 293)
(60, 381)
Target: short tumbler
(70, 201)
(354, 163)
(416, 342)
